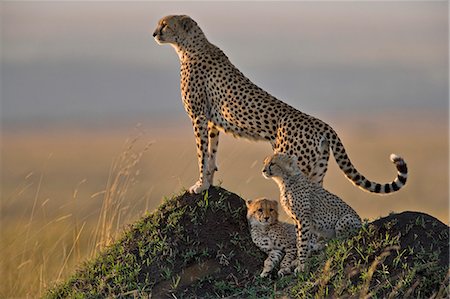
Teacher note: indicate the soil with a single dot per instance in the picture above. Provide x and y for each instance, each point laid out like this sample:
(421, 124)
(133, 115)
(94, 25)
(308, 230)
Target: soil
(418, 231)
(231, 255)
(199, 246)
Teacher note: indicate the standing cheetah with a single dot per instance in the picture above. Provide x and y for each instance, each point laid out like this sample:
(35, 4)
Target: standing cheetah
(313, 209)
(217, 96)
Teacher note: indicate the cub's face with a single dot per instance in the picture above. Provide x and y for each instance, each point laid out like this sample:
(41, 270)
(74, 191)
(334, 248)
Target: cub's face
(262, 211)
(279, 164)
(173, 29)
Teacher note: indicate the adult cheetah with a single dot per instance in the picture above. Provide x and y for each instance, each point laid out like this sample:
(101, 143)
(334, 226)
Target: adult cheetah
(217, 96)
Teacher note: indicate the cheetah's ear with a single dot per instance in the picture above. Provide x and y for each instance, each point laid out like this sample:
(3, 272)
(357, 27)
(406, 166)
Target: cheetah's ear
(248, 203)
(187, 23)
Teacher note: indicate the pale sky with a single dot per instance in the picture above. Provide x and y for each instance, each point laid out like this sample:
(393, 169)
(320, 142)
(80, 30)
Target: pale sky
(98, 62)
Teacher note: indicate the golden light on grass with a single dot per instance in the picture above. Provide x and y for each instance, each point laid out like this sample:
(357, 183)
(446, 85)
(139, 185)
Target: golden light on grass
(61, 210)
(53, 246)
(122, 176)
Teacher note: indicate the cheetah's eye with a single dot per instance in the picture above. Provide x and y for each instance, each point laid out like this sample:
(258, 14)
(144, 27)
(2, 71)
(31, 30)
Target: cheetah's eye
(163, 25)
(260, 210)
(271, 210)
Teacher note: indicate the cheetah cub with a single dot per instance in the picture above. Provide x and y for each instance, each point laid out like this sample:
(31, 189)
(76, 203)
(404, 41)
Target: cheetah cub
(276, 239)
(314, 210)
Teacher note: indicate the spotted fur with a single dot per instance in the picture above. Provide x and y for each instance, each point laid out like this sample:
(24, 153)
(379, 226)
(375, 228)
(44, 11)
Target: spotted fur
(218, 97)
(314, 210)
(277, 239)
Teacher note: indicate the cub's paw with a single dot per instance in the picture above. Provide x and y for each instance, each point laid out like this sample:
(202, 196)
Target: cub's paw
(264, 274)
(315, 247)
(299, 269)
(199, 187)
(283, 272)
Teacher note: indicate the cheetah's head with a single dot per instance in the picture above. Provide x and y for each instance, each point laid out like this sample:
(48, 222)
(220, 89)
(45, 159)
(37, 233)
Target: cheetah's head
(262, 211)
(279, 165)
(174, 29)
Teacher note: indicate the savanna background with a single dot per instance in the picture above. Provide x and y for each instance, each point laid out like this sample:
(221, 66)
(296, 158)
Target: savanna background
(94, 135)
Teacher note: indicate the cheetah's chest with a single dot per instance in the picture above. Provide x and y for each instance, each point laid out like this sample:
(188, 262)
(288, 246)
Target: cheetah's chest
(293, 197)
(233, 103)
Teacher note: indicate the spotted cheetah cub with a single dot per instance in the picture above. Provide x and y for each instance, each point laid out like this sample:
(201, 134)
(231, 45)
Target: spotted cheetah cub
(277, 239)
(314, 210)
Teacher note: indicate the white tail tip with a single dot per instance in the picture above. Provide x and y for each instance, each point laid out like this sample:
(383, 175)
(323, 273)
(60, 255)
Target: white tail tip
(396, 158)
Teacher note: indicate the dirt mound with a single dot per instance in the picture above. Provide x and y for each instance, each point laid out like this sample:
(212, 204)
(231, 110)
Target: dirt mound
(199, 246)
(418, 232)
(218, 229)
(191, 246)
(399, 256)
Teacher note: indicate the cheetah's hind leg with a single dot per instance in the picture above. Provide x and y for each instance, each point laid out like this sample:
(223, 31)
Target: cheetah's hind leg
(316, 245)
(347, 226)
(320, 167)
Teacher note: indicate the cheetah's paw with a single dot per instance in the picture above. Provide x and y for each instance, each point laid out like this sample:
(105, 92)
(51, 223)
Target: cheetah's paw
(264, 273)
(283, 272)
(299, 269)
(199, 187)
(210, 174)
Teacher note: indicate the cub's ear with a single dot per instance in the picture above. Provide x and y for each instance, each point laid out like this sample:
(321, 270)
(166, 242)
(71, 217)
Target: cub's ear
(187, 23)
(248, 202)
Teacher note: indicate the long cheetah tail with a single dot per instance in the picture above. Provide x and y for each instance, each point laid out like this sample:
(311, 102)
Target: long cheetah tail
(359, 180)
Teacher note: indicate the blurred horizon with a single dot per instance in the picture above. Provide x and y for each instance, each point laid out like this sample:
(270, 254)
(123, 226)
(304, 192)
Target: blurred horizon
(78, 77)
(96, 65)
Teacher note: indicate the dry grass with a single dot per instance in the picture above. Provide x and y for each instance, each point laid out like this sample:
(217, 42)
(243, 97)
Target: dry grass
(63, 198)
(52, 248)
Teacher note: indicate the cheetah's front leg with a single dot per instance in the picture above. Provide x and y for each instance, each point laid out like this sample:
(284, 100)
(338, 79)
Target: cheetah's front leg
(287, 262)
(200, 124)
(213, 142)
(303, 236)
(271, 261)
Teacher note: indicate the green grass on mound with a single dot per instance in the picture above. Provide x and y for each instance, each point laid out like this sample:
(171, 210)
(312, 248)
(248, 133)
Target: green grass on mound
(199, 246)
(373, 264)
